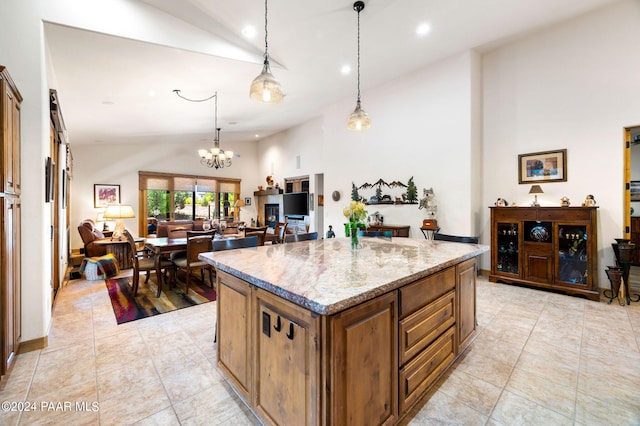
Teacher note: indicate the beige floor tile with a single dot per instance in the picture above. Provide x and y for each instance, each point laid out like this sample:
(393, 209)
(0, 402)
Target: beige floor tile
(134, 404)
(191, 380)
(543, 392)
(592, 410)
(128, 376)
(166, 417)
(550, 369)
(476, 393)
(442, 409)
(512, 409)
(215, 405)
(486, 368)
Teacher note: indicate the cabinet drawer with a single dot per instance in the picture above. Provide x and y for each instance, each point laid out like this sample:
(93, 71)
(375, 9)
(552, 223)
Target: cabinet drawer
(426, 290)
(421, 328)
(425, 368)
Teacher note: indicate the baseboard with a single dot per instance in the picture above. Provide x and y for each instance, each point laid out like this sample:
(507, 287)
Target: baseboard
(483, 272)
(33, 345)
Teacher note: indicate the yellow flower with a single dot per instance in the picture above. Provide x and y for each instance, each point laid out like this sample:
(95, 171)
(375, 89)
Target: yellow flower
(346, 212)
(353, 204)
(360, 206)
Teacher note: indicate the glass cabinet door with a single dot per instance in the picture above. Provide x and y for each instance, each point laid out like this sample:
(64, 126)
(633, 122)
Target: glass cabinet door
(507, 248)
(573, 261)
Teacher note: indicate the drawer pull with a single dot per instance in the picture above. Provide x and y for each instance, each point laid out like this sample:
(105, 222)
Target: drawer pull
(278, 325)
(290, 333)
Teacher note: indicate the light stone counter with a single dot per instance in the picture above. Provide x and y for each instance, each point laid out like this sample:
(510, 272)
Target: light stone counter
(326, 276)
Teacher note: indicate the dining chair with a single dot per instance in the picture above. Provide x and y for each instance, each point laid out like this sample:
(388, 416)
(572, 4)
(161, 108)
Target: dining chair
(195, 245)
(455, 238)
(145, 261)
(292, 238)
(261, 234)
(378, 234)
(235, 243)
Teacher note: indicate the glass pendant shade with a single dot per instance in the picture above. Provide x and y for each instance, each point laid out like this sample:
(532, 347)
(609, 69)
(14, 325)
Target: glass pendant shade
(358, 119)
(265, 87)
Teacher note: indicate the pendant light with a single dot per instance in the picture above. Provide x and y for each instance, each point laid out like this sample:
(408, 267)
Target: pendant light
(358, 120)
(265, 87)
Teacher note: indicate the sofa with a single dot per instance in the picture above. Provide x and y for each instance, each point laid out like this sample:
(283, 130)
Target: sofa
(89, 234)
(179, 228)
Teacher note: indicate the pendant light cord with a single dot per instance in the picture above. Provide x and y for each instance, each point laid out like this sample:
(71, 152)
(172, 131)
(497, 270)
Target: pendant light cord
(266, 42)
(358, 56)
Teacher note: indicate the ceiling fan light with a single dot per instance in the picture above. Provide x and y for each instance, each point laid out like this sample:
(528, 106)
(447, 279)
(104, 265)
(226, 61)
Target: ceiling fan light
(265, 87)
(358, 119)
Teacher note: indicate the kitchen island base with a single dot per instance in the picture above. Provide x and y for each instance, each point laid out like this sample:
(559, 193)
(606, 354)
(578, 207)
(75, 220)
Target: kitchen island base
(368, 364)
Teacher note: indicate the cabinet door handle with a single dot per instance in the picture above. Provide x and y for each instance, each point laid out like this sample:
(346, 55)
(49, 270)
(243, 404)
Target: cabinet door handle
(290, 333)
(278, 325)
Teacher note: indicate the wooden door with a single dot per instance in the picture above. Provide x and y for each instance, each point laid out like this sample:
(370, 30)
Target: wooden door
(538, 262)
(363, 377)
(466, 302)
(286, 362)
(234, 330)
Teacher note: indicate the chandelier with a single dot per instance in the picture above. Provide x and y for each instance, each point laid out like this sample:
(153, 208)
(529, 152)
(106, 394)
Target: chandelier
(214, 157)
(358, 119)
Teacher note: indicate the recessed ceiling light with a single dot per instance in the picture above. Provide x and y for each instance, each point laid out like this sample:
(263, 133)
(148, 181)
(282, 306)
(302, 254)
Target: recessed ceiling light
(257, 135)
(423, 29)
(108, 102)
(346, 69)
(249, 31)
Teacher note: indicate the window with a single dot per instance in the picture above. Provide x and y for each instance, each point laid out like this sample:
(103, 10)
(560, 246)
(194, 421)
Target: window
(178, 197)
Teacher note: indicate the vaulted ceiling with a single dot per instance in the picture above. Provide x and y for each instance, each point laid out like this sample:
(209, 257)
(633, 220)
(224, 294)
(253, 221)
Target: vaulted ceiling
(116, 72)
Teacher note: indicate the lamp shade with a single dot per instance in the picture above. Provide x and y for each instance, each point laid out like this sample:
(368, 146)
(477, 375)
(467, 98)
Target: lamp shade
(117, 211)
(536, 189)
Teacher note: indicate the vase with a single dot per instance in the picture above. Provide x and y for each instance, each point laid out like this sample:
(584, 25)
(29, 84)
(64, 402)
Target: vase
(355, 238)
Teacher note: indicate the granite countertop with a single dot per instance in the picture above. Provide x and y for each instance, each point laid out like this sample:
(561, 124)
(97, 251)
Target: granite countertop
(326, 276)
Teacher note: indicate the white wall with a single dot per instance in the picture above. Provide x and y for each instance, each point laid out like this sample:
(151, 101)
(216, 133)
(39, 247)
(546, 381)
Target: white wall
(118, 165)
(22, 47)
(572, 86)
(421, 127)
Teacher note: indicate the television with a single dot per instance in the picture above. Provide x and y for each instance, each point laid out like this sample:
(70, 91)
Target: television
(295, 203)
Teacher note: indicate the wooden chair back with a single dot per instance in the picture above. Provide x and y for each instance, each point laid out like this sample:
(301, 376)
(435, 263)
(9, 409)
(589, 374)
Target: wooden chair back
(196, 245)
(292, 238)
(210, 232)
(455, 238)
(260, 234)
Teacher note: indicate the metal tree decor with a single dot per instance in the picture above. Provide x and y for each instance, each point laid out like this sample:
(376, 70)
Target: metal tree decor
(354, 192)
(412, 192)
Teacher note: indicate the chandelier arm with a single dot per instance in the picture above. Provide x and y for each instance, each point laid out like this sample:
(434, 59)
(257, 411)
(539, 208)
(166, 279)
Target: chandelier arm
(177, 92)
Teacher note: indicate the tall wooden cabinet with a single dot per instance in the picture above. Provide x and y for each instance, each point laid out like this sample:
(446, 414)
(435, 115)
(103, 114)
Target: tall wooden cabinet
(10, 289)
(547, 247)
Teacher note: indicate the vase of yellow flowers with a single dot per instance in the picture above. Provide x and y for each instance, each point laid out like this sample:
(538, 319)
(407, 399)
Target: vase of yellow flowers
(356, 215)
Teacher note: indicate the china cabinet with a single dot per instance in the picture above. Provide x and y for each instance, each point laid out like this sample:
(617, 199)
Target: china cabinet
(551, 248)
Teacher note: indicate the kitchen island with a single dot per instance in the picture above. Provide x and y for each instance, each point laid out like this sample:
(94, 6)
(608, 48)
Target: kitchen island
(315, 333)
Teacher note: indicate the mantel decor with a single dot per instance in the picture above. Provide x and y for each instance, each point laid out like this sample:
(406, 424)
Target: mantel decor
(546, 166)
(105, 195)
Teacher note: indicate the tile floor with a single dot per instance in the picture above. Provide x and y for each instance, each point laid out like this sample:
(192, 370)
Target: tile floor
(539, 359)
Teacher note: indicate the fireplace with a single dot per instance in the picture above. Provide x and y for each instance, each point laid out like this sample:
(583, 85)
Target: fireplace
(271, 214)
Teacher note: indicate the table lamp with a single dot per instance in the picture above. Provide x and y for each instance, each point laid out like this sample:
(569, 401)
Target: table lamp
(239, 203)
(118, 212)
(535, 189)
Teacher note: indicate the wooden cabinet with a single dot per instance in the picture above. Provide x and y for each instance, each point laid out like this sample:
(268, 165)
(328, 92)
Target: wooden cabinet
(635, 238)
(546, 247)
(234, 331)
(364, 364)
(297, 184)
(286, 362)
(10, 133)
(10, 263)
(466, 302)
(396, 230)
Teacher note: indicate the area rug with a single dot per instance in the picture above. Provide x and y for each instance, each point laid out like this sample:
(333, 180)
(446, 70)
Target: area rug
(128, 308)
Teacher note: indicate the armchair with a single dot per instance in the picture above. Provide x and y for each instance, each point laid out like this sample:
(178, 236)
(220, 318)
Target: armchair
(89, 234)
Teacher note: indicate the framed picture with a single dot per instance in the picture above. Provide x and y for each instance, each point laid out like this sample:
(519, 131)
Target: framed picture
(635, 190)
(547, 166)
(48, 180)
(247, 201)
(103, 195)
